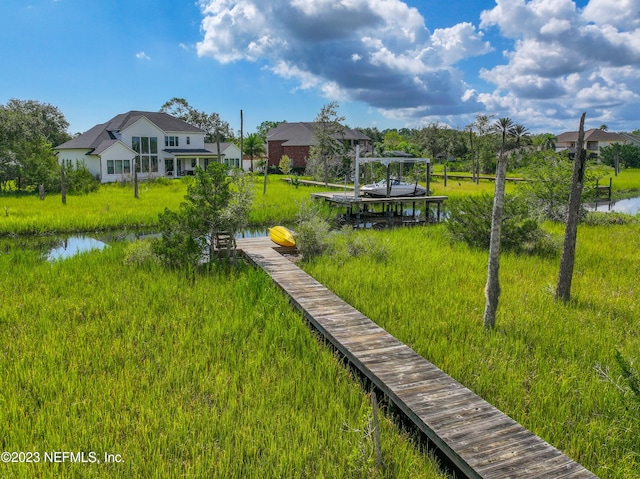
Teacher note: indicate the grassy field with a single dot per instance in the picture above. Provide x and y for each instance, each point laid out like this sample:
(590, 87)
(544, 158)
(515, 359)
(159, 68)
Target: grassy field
(214, 378)
(219, 378)
(114, 206)
(542, 365)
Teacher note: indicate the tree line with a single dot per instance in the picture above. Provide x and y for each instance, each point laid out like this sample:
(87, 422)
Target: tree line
(30, 129)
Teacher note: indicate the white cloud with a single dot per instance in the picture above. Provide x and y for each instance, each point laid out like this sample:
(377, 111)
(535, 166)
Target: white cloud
(142, 56)
(558, 58)
(376, 51)
(621, 14)
(565, 58)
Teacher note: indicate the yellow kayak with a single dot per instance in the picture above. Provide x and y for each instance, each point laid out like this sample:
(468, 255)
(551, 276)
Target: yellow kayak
(282, 236)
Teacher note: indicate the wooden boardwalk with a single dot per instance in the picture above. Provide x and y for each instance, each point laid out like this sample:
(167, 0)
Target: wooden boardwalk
(479, 439)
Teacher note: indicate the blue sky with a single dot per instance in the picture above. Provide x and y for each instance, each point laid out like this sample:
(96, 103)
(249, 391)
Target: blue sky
(388, 63)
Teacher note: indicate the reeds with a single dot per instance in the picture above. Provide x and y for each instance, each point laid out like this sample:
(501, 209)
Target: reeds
(540, 364)
(215, 377)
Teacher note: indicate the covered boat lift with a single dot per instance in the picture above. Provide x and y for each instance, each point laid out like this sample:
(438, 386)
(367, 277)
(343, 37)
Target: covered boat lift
(359, 207)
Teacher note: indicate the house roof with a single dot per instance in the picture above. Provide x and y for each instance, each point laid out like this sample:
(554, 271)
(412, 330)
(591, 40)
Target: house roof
(594, 134)
(213, 147)
(303, 134)
(633, 139)
(93, 138)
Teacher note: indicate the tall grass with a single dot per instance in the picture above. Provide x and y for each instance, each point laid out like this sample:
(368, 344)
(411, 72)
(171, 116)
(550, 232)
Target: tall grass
(540, 365)
(114, 206)
(215, 377)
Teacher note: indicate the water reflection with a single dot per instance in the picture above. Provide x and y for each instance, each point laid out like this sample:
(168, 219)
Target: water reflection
(74, 245)
(630, 206)
(58, 247)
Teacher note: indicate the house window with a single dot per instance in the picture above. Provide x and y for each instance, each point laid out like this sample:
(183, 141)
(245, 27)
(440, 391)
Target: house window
(188, 140)
(173, 141)
(118, 167)
(147, 149)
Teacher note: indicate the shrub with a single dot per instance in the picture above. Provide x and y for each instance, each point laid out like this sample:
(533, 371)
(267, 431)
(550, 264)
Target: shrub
(470, 221)
(312, 232)
(141, 253)
(80, 181)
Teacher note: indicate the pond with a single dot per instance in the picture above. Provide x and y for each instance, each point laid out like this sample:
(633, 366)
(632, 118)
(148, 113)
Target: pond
(60, 247)
(630, 206)
(74, 245)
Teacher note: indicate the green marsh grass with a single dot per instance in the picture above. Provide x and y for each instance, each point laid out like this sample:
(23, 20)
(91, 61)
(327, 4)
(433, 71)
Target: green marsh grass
(540, 365)
(113, 206)
(215, 378)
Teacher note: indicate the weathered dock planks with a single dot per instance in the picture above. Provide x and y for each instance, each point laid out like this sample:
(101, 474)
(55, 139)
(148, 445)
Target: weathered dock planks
(480, 440)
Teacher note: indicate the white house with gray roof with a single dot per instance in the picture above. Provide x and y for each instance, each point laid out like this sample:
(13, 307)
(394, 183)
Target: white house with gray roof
(156, 144)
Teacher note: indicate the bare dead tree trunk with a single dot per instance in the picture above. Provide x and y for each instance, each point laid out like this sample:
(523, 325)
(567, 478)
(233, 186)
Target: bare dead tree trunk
(492, 289)
(565, 276)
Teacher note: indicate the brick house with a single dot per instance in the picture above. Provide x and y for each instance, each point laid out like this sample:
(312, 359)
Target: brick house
(296, 139)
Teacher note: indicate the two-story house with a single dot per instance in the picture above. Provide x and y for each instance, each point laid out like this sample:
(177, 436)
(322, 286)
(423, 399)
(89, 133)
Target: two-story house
(594, 140)
(155, 144)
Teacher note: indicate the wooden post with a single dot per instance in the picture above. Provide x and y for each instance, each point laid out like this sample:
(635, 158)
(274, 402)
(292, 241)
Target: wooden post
(266, 169)
(135, 179)
(388, 180)
(445, 176)
(63, 185)
(41, 191)
(610, 187)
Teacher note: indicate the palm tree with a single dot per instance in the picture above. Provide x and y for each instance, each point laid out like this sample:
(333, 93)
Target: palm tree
(503, 126)
(521, 134)
(545, 141)
(253, 146)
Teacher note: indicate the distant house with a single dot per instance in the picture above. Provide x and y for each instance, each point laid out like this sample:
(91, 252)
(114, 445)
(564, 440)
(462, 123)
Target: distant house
(296, 139)
(229, 154)
(156, 144)
(594, 140)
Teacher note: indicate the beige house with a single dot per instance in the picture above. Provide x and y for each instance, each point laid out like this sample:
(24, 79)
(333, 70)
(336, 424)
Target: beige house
(594, 140)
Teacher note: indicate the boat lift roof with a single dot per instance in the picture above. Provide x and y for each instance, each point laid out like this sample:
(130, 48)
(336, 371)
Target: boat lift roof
(384, 161)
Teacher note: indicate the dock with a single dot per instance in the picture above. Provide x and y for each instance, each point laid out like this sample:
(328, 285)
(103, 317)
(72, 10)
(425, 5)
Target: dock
(364, 207)
(481, 441)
